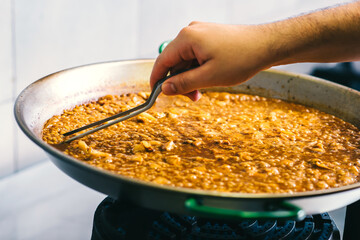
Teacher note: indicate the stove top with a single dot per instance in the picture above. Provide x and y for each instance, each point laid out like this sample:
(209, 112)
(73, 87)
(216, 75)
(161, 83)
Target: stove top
(118, 220)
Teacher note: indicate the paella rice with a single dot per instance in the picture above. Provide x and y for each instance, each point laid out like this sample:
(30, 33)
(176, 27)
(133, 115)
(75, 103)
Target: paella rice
(226, 142)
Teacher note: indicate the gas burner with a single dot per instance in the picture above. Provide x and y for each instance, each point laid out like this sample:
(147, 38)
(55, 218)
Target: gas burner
(118, 220)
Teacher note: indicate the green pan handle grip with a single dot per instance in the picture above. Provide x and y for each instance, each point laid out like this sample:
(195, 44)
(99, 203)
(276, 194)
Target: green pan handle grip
(285, 210)
(163, 46)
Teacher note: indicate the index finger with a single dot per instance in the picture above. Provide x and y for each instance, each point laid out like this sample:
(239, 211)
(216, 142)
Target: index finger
(174, 54)
(160, 70)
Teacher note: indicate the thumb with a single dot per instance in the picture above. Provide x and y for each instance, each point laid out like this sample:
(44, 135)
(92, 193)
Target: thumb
(185, 82)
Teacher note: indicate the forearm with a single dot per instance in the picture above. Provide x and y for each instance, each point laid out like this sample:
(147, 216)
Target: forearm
(331, 35)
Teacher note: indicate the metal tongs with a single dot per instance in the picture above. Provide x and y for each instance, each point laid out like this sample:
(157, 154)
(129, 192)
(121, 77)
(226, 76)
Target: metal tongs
(120, 116)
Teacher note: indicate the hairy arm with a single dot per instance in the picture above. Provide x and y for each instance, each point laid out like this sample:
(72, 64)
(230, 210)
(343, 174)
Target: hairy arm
(330, 35)
(231, 54)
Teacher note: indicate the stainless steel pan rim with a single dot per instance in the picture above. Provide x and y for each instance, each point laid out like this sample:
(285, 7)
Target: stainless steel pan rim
(61, 158)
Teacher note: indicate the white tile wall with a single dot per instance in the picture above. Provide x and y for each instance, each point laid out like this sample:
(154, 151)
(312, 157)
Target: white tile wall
(259, 11)
(51, 35)
(161, 20)
(6, 138)
(6, 86)
(5, 51)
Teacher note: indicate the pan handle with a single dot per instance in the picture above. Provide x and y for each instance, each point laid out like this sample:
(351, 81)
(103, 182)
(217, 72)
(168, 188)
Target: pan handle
(284, 210)
(163, 45)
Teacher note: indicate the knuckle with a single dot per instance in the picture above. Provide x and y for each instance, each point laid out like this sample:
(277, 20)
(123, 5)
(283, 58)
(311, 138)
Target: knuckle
(186, 31)
(182, 84)
(191, 29)
(194, 23)
(189, 35)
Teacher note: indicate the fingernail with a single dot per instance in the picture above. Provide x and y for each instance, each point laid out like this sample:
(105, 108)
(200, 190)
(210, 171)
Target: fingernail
(169, 88)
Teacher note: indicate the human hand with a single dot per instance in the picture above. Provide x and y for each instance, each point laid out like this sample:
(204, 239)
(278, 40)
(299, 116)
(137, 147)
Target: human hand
(225, 55)
(230, 54)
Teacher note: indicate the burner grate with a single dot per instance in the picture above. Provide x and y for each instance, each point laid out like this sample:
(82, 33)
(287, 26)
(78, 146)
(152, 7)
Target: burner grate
(117, 220)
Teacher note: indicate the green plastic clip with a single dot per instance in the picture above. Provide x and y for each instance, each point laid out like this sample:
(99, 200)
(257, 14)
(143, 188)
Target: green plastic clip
(163, 46)
(284, 210)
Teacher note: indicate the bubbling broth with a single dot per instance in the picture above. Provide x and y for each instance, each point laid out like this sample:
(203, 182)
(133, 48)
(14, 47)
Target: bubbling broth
(225, 142)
